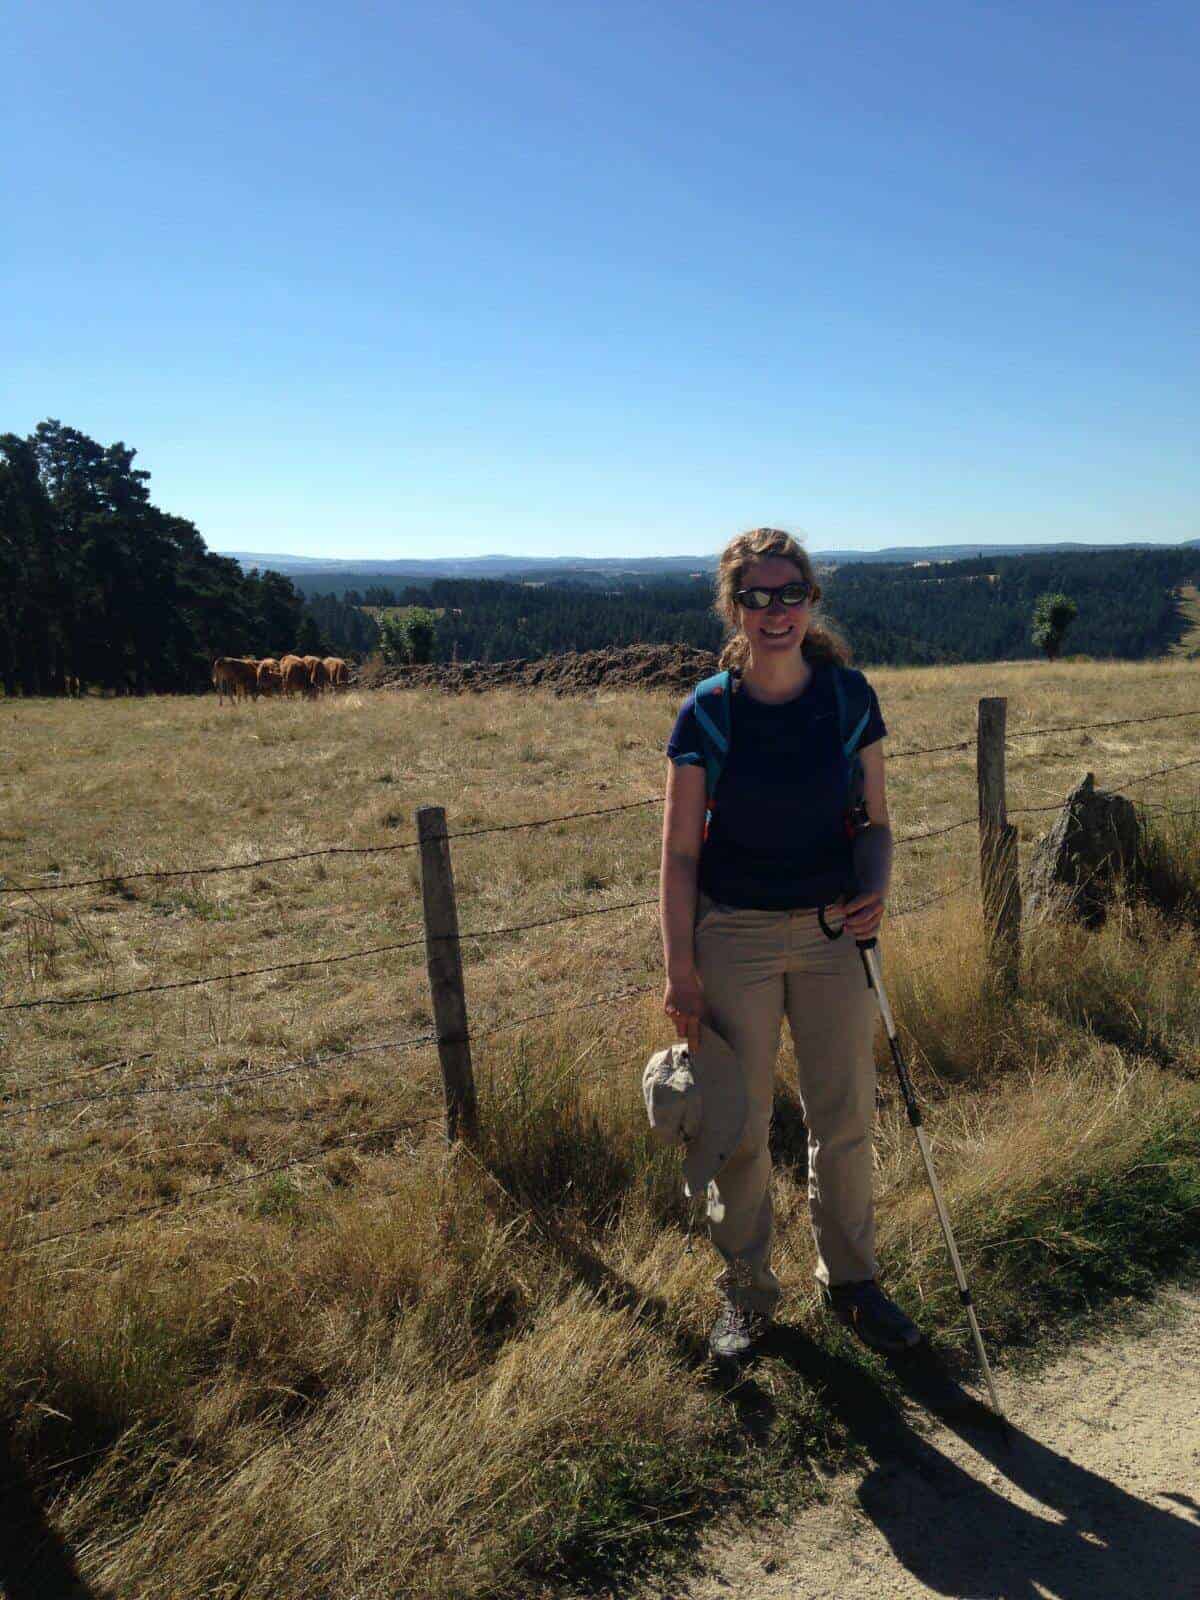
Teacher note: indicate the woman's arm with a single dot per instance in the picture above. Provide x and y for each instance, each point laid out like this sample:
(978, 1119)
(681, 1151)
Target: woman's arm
(872, 850)
(683, 835)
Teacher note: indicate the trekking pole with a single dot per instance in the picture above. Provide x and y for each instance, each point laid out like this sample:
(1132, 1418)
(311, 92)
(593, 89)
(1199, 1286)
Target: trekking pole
(867, 949)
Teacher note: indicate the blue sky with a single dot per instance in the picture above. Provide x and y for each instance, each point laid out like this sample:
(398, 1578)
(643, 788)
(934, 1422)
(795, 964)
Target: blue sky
(614, 279)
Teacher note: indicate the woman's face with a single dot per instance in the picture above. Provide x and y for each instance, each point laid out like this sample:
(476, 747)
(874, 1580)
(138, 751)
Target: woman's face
(779, 629)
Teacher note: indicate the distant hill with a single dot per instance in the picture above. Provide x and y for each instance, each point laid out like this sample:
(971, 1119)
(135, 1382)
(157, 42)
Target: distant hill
(968, 552)
(481, 566)
(334, 575)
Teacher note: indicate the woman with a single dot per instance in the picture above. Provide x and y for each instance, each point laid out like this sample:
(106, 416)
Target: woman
(742, 939)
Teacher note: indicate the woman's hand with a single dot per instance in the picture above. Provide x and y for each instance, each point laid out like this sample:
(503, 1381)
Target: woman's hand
(683, 1002)
(863, 915)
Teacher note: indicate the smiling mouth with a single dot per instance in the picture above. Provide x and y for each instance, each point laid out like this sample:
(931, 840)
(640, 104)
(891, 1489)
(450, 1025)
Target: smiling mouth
(777, 633)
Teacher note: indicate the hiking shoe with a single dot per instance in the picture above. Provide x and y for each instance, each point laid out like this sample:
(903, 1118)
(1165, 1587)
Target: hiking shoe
(736, 1331)
(876, 1320)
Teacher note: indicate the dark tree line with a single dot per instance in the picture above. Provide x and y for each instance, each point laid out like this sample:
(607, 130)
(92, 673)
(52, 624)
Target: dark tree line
(978, 610)
(101, 588)
(349, 629)
(983, 610)
(489, 619)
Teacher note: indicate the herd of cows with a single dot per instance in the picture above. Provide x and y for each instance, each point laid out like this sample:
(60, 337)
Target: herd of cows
(242, 677)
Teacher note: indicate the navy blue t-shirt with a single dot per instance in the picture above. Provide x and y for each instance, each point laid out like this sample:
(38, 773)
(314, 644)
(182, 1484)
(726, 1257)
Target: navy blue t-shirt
(777, 837)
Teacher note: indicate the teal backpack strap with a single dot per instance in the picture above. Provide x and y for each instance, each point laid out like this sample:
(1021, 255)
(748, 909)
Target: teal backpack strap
(854, 707)
(715, 721)
(854, 712)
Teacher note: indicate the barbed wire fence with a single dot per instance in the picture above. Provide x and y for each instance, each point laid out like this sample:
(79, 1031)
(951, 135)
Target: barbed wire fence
(117, 876)
(443, 942)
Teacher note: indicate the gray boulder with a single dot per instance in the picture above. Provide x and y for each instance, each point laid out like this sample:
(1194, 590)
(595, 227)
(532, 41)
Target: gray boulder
(1095, 837)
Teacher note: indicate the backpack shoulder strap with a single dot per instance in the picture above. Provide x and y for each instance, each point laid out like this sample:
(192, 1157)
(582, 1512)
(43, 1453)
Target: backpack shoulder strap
(854, 711)
(854, 707)
(715, 721)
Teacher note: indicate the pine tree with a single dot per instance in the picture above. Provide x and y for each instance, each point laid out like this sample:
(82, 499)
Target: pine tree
(308, 639)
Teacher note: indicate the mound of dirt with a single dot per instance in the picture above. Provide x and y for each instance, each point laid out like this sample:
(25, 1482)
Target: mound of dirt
(677, 667)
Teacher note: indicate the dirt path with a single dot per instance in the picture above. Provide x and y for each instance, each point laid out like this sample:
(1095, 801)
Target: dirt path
(1098, 1497)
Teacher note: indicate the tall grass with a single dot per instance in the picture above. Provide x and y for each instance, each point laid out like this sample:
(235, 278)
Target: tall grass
(393, 1369)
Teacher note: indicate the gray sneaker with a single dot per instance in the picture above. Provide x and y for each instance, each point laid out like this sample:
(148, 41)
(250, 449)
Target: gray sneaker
(876, 1320)
(736, 1331)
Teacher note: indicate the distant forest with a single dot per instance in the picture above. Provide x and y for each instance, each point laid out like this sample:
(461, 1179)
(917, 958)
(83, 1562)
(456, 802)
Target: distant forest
(901, 615)
(100, 588)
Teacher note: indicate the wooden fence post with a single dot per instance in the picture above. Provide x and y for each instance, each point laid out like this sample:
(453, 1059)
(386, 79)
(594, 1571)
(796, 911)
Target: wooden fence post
(999, 868)
(443, 955)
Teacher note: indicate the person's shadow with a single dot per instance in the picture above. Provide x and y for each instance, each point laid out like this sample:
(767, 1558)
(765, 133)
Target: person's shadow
(1084, 1539)
(947, 1528)
(35, 1563)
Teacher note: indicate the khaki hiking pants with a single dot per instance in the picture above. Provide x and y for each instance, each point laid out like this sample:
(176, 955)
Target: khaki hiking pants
(754, 966)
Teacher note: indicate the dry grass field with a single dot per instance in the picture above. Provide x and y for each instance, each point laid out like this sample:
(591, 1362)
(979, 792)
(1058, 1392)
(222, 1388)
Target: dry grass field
(322, 1357)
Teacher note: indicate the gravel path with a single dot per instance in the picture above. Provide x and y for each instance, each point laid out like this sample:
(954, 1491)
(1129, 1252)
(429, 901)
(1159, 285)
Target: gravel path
(1098, 1497)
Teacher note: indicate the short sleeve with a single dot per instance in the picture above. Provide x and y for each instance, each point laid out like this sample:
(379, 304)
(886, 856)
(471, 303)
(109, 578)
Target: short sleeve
(683, 747)
(876, 728)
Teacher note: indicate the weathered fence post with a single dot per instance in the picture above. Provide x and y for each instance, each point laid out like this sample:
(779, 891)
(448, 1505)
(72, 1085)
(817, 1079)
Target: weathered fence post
(443, 956)
(999, 871)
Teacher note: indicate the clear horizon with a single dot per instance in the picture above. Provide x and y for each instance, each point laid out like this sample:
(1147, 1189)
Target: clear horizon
(578, 281)
(662, 555)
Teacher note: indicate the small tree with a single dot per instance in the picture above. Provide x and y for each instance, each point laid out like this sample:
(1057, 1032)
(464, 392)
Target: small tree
(1053, 614)
(422, 634)
(393, 640)
(409, 638)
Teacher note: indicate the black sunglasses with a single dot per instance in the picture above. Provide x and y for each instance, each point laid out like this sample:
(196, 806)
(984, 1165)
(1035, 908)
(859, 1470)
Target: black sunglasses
(760, 597)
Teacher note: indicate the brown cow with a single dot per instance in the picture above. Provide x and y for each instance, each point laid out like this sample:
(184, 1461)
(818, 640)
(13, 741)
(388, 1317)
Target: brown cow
(309, 663)
(284, 663)
(338, 672)
(318, 678)
(234, 678)
(270, 679)
(295, 675)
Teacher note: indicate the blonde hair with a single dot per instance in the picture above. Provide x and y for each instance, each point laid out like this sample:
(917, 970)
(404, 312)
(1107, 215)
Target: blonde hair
(822, 641)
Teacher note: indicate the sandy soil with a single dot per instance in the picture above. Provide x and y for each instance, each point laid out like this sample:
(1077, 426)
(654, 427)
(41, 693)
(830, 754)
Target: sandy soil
(1096, 1498)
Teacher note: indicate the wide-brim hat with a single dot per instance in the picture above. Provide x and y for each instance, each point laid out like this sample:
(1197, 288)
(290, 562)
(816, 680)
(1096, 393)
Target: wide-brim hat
(696, 1099)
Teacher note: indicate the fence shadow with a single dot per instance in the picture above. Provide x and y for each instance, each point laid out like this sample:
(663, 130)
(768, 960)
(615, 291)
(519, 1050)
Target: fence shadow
(752, 1405)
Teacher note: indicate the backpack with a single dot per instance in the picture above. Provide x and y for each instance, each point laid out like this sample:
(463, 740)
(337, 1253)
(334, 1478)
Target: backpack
(714, 719)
